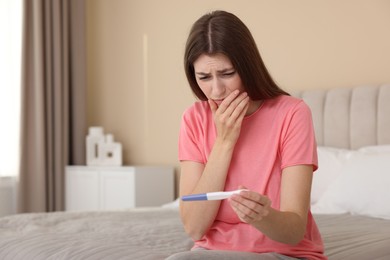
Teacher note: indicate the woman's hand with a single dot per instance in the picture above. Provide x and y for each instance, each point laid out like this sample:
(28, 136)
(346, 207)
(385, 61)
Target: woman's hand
(288, 223)
(229, 114)
(250, 206)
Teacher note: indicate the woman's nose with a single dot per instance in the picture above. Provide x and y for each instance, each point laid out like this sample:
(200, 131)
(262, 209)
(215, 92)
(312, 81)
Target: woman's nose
(218, 89)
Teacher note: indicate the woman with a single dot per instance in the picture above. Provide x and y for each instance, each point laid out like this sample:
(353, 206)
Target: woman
(244, 133)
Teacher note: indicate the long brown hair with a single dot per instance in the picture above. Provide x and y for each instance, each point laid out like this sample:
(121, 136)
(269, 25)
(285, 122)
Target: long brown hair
(223, 32)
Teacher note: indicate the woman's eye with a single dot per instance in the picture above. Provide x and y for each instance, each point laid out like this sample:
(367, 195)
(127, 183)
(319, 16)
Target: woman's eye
(229, 74)
(204, 78)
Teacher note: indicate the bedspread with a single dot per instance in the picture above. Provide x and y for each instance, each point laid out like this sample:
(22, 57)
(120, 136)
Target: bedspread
(134, 234)
(156, 233)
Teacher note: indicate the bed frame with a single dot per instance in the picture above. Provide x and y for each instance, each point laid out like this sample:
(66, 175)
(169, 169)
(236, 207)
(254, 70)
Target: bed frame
(350, 117)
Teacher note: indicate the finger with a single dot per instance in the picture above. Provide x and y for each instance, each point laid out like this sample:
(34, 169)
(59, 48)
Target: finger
(231, 97)
(253, 200)
(228, 100)
(235, 105)
(254, 196)
(242, 187)
(213, 106)
(247, 206)
(240, 112)
(244, 213)
(243, 200)
(234, 114)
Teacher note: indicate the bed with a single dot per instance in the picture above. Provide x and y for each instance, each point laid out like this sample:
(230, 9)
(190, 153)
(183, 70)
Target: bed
(349, 200)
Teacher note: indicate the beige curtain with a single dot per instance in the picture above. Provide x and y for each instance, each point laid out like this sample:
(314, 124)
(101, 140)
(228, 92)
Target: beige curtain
(53, 100)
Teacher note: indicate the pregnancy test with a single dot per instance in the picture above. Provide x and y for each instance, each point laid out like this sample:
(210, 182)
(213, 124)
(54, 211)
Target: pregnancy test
(219, 195)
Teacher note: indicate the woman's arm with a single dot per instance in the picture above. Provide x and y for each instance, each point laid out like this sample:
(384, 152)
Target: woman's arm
(287, 225)
(197, 217)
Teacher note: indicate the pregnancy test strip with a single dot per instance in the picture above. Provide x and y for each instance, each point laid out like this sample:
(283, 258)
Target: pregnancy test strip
(219, 195)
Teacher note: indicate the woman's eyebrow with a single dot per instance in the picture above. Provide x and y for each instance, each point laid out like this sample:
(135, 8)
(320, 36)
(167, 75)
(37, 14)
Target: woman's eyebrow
(202, 73)
(225, 70)
(219, 71)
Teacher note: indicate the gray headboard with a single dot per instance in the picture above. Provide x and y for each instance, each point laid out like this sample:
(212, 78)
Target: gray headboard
(350, 117)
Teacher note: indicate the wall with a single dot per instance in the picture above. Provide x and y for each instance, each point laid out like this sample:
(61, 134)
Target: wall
(136, 84)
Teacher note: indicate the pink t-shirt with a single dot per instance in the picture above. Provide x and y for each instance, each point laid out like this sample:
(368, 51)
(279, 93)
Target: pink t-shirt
(279, 134)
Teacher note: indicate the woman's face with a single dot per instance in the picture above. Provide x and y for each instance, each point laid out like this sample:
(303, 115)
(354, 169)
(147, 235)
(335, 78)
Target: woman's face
(216, 76)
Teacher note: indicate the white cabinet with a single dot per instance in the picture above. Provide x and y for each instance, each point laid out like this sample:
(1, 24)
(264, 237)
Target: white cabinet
(119, 187)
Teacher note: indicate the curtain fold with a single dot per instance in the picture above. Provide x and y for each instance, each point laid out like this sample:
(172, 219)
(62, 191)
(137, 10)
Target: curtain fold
(53, 101)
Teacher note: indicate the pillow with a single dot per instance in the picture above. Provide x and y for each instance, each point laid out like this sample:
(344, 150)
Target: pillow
(172, 205)
(375, 149)
(363, 187)
(330, 162)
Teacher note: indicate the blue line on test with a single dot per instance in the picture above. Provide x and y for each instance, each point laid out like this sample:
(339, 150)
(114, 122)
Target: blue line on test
(202, 196)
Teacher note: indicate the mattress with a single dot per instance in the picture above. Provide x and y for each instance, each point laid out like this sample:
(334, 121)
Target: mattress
(133, 234)
(355, 237)
(156, 233)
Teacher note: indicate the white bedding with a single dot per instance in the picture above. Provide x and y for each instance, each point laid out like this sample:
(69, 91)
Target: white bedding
(352, 181)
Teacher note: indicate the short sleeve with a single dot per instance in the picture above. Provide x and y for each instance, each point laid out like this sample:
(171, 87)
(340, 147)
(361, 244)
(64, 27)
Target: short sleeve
(190, 138)
(298, 144)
